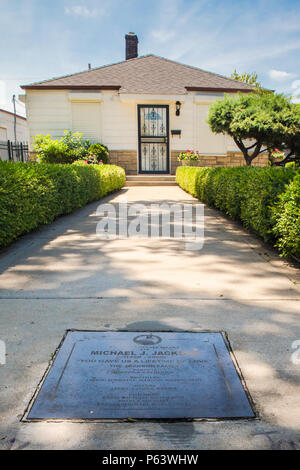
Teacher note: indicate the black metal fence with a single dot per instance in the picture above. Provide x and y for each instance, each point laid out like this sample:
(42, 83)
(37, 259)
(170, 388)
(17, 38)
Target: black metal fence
(14, 151)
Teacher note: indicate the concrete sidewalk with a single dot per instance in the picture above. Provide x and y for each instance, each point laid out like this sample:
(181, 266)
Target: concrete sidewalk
(64, 277)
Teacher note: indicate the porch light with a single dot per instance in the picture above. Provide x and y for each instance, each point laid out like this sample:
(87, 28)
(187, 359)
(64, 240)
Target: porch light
(178, 106)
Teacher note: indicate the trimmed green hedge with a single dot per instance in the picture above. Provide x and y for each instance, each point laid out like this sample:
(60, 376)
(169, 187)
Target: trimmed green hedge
(287, 219)
(265, 200)
(33, 194)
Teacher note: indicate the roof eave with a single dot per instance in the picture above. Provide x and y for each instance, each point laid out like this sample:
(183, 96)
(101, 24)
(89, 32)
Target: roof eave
(13, 114)
(71, 87)
(221, 90)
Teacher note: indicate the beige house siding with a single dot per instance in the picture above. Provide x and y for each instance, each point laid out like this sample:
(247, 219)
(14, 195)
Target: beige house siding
(205, 141)
(48, 112)
(119, 118)
(111, 118)
(86, 118)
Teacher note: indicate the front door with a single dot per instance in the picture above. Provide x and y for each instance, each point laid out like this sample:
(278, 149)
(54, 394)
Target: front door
(153, 128)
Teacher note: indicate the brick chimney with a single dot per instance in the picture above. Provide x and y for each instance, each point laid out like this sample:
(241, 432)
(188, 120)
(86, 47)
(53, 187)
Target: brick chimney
(131, 45)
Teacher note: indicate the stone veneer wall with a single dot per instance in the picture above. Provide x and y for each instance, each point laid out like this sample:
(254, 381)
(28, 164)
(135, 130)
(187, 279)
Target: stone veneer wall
(231, 159)
(127, 159)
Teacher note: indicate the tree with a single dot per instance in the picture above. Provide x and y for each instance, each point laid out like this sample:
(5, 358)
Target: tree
(250, 78)
(291, 140)
(267, 120)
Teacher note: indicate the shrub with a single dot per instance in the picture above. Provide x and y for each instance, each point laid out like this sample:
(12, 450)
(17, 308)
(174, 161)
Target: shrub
(260, 189)
(100, 151)
(89, 160)
(292, 165)
(286, 216)
(67, 149)
(51, 151)
(80, 163)
(250, 195)
(75, 141)
(35, 194)
(77, 145)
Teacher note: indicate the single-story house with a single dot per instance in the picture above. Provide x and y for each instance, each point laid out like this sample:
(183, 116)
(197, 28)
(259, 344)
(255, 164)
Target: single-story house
(145, 109)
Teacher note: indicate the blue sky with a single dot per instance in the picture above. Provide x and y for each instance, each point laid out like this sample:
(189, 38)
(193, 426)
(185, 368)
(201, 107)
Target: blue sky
(41, 39)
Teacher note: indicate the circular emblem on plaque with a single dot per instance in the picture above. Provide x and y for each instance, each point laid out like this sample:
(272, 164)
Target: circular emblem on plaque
(147, 339)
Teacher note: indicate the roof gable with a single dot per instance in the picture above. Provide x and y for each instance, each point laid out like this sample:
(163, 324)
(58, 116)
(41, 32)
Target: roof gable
(145, 74)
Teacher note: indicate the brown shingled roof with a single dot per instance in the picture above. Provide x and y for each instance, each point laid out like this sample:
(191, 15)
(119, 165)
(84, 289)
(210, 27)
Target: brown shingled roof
(146, 74)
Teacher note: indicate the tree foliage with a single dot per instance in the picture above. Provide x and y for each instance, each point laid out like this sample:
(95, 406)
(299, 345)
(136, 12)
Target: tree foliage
(250, 78)
(291, 140)
(267, 120)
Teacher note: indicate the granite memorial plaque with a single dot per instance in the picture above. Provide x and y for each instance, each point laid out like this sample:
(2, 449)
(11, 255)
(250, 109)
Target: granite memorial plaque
(152, 375)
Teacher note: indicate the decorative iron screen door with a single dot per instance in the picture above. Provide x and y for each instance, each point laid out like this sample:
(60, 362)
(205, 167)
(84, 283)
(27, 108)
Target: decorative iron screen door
(153, 128)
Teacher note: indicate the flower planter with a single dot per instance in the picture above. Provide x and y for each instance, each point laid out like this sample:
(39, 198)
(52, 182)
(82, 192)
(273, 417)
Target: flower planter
(189, 162)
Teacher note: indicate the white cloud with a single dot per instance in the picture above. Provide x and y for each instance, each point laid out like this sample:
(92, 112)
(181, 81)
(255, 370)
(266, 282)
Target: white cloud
(280, 75)
(296, 96)
(295, 84)
(79, 10)
(162, 35)
(176, 30)
(296, 91)
(193, 33)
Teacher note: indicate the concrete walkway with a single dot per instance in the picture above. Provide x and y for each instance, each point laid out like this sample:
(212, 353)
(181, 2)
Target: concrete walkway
(64, 277)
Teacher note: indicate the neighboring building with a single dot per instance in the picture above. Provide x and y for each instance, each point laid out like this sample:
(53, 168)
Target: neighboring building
(145, 109)
(7, 127)
(7, 131)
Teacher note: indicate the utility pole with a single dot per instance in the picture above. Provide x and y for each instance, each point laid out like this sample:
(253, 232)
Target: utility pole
(15, 117)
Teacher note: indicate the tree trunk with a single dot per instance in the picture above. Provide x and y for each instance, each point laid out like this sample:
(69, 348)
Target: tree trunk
(245, 151)
(270, 158)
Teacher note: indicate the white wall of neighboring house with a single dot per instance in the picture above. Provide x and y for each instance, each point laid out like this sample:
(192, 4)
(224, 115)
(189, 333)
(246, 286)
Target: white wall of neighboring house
(7, 130)
(111, 118)
(7, 127)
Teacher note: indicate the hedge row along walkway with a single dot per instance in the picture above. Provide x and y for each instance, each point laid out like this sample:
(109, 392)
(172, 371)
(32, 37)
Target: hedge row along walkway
(265, 200)
(35, 194)
(65, 277)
